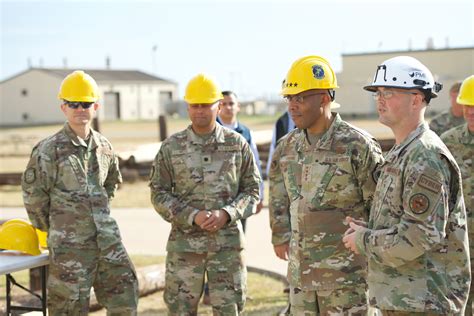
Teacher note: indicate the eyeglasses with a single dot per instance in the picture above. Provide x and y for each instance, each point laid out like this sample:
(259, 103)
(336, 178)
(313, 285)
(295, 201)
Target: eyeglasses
(76, 105)
(298, 98)
(387, 94)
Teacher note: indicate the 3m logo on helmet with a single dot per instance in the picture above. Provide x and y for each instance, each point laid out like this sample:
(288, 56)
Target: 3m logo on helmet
(318, 72)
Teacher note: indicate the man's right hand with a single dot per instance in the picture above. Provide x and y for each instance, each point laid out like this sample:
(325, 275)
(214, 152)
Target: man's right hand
(201, 217)
(282, 251)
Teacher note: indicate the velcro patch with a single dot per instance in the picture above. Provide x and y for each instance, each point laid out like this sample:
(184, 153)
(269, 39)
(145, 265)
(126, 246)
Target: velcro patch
(228, 148)
(392, 171)
(419, 203)
(429, 184)
(336, 159)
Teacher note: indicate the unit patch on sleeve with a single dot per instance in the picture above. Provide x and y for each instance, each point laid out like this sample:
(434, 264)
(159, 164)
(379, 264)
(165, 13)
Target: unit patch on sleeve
(419, 203)
(30, 175)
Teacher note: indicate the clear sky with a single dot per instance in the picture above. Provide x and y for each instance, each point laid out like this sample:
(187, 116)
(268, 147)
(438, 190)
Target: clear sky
(248, 46)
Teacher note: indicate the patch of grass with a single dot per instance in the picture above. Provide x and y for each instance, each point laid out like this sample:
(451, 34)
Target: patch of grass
(266, 298)
(23, 277)
(265, 294)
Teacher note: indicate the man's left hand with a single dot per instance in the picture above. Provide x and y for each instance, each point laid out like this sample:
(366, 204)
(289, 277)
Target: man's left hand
(350, 235)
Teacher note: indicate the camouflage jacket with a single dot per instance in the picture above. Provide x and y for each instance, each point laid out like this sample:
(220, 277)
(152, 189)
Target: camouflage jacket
(67, 187)
(445, 121)
(461, 144)
(191, 174)
(312, 189)
(416, 241)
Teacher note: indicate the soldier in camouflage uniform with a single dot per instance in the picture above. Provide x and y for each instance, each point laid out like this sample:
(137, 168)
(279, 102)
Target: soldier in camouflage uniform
(460, 141)
(451, 117)
(320, 173)
(68, 184)
(416, 239)
(204, 180)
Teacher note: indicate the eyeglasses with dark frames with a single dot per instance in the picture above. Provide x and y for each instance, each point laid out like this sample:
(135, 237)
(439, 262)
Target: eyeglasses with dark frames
(299, 98)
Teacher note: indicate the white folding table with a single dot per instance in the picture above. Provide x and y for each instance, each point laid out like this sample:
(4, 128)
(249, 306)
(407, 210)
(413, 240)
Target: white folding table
(13, 261)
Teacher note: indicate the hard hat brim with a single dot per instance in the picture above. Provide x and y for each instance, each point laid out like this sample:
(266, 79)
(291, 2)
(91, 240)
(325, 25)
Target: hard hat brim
(373, 88)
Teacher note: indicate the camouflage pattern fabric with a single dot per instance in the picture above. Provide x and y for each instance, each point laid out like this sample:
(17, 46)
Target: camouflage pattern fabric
(312, 189)
(461, 144)
(343, 301)
(67, 187)
(398, 313)
(73, 272)
(445, 121)
(191, 173)
(416, 241)
(227, 279)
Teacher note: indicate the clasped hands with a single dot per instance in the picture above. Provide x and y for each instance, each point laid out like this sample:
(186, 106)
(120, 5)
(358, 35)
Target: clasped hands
(349, 238)
(211, 221)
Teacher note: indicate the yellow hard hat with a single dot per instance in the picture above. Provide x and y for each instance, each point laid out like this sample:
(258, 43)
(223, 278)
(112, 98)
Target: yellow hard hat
(307, 73)
(466, 92)
(20, 235)
(202, 89)
(79, 87)
(42, 238)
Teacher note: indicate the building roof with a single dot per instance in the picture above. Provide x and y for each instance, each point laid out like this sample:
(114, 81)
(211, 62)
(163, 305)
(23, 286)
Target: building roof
(407, 51)
(101, 75)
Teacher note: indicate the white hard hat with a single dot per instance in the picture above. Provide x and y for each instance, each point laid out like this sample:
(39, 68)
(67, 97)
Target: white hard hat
(405, 72)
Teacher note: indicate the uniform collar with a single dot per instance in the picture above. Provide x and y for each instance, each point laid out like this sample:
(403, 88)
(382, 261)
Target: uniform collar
(217, 136)
(466, 136)
(76, 141)
(398, 150)
(325, 142)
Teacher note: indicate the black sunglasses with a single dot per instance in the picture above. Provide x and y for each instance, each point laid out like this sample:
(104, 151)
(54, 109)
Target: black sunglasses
(76, 105)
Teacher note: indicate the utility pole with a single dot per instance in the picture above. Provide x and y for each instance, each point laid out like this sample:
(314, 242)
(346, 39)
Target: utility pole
(153, 59)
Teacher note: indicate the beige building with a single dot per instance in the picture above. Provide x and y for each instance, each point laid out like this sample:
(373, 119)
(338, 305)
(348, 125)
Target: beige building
(447, 65)
(30, 98)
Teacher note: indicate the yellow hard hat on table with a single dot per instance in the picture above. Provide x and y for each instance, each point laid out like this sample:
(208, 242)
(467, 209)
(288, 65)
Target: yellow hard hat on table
(19, 235)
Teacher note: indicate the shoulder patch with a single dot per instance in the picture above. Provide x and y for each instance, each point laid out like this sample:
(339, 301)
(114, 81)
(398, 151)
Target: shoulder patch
(419, 203)
(429, 184)
(30, 175)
